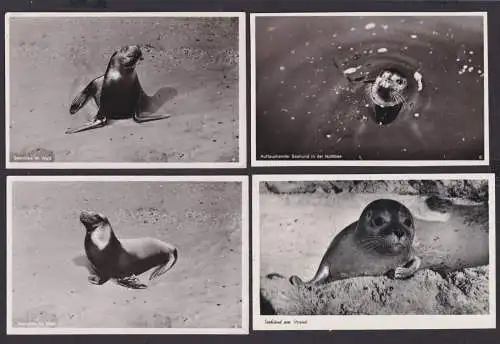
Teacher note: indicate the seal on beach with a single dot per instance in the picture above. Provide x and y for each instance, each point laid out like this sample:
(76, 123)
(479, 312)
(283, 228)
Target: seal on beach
(118, 93)
(123, 259)
(380, 242)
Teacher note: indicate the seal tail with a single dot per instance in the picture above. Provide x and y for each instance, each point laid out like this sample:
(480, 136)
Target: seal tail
(165, 267)
(321, 277)
(296, 281)
(82, 98)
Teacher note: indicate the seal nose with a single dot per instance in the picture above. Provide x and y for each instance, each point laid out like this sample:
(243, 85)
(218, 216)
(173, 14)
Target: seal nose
(86, 215)
(399, 233)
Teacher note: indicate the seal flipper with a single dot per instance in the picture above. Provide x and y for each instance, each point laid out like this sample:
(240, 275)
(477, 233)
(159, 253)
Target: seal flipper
(83, 97)
(296, 281)
(407, 270)
(148, 117)
(97, 122)
(160, 270)
(94, 278)
(322, 275)
(132, 282)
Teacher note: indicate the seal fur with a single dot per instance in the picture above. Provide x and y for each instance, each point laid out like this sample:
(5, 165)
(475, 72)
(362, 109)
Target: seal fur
(123, 259)
(118, 93)
(380, 242)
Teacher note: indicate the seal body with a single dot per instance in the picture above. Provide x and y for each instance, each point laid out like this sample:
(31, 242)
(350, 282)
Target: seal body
(118, 93)
(380, 242)
(122, 260)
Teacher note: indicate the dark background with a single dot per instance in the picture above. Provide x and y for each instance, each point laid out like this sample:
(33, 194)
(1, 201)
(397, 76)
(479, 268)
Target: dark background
(372, 337)
(310, 106)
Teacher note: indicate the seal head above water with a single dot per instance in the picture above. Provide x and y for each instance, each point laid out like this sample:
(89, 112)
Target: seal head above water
(389, 94)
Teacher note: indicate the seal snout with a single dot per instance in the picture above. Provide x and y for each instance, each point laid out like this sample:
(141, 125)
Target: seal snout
(399, 232)
(131, 55)
(384, 92)
(91, 219)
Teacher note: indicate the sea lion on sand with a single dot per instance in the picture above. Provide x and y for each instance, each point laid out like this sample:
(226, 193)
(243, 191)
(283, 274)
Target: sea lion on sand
(118, 93)
(123, 259)
(378, 243)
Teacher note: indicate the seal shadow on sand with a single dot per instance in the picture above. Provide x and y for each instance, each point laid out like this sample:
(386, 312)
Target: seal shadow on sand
(82, 261)
(163, 95)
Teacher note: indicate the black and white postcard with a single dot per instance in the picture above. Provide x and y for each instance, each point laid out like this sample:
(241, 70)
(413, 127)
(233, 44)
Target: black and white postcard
(125, 90)
(364, 252)
(369, 89)
(127, 255)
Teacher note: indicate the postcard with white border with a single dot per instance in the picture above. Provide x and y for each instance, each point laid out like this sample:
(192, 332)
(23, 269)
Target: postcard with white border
(127, 255)
(125, 90)
(366, 252)
(365, 89)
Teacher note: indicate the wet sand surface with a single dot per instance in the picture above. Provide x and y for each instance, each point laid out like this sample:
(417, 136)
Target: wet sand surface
(53, 59)
(311, 87)
(202, 290)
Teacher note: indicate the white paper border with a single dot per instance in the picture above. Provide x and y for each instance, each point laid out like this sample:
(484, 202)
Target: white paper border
(242, 140)
(372, 322)
(11, 330)
(268, 163)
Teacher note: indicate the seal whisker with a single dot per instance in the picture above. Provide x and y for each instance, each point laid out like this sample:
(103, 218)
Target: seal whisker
(400, 98)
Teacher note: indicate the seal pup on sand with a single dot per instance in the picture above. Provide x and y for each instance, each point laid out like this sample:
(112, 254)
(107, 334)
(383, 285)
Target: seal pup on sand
(380, 242)
(118, 93)
(123, 259)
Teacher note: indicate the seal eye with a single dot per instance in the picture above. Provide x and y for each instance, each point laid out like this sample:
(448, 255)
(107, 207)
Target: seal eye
(378, 221)
(407, 223)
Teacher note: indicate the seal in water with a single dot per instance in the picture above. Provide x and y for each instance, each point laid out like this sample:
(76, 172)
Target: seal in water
(380, 242)
(388, 94)
(118, 93)
(123, 259)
